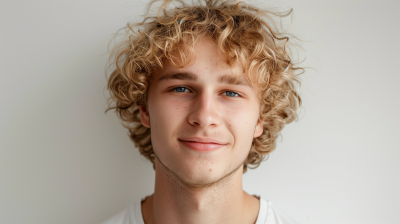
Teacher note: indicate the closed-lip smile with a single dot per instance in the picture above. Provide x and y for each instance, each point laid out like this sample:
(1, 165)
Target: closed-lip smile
(202, 144)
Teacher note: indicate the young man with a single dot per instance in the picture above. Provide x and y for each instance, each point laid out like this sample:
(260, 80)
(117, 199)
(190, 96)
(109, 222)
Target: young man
(204, 91)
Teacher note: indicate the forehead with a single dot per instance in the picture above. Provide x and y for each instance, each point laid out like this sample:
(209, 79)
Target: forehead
(201, 56)
(208, 62)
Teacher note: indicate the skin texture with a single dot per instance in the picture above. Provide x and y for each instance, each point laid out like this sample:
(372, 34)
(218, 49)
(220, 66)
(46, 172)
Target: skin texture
(197, 186)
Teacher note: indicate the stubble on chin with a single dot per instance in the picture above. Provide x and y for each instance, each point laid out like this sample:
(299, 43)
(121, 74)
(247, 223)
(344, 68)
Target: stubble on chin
(176, 179)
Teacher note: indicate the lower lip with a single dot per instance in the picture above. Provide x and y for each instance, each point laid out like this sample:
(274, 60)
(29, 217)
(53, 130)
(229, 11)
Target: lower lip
(202, 146)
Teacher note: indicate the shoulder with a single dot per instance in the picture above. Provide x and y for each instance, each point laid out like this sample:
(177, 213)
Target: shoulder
(127, 216)
(269, 214)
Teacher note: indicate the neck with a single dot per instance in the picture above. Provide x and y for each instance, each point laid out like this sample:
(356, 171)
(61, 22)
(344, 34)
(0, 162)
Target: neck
(223, 202)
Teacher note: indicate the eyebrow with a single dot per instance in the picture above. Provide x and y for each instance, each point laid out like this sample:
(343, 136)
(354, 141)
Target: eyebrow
(225, 79)
(180, 76)
(232, 80)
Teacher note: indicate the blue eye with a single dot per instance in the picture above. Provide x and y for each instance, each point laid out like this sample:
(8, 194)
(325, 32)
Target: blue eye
(180, 89)
(231, 94)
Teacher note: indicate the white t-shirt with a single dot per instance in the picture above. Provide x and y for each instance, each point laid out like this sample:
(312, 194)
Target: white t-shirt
(268, 214)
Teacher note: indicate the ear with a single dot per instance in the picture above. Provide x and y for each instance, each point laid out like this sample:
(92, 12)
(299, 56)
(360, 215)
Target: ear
(144, 116)
(259, 128)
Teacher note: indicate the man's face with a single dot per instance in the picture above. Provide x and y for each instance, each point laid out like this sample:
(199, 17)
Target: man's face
(202, 124)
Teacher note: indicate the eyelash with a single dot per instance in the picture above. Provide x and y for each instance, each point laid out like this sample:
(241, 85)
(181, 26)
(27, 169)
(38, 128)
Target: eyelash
(174, 89)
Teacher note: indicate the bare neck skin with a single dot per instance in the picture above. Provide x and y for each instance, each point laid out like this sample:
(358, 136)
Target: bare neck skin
(223, 202)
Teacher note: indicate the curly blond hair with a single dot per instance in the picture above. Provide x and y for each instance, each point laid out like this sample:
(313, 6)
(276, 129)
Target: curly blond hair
(247, 35)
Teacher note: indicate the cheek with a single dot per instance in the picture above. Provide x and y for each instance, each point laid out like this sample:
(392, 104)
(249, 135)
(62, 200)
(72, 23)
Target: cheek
(241, 122)
(165, 118)
(244, 116)
(166, 110)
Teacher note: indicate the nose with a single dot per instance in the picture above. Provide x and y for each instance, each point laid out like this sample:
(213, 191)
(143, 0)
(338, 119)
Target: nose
(205, 111)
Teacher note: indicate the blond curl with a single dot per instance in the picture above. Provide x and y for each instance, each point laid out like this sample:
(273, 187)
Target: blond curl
(248, 36)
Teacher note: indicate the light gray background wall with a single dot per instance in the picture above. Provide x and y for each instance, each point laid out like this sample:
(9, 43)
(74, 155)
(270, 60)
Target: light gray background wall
(62, 160)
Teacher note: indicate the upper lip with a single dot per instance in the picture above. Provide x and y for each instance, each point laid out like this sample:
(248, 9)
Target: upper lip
(202, 140)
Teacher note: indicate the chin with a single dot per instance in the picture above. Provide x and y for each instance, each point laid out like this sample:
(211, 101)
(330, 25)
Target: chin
(203, 176)
(194, 171)
(200, 180)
